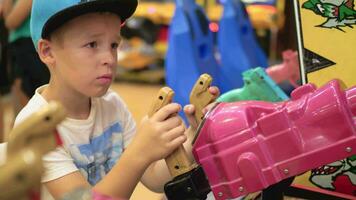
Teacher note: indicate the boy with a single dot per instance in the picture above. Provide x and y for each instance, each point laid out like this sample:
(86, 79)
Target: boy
(78, 40)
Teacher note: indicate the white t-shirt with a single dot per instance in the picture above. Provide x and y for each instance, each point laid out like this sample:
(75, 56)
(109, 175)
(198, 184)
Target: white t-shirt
(91, 146)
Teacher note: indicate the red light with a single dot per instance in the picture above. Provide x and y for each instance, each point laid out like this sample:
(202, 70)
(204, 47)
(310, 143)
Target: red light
(214, 27)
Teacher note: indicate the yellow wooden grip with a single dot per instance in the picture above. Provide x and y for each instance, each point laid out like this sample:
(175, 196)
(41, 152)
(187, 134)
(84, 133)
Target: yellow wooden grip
(164, 97)
(200, 96)
(37, 131)
(177, 162)
(28, 142)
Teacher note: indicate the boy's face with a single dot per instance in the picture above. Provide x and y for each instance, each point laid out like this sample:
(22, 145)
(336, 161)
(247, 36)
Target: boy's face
(85, 53)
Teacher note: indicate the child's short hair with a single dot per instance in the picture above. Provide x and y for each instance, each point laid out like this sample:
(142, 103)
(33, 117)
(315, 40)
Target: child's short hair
(48, 15)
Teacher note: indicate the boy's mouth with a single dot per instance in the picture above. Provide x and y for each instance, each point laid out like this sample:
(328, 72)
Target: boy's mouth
(107, 78)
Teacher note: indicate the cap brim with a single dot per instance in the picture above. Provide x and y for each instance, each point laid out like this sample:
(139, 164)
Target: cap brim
(123, 8)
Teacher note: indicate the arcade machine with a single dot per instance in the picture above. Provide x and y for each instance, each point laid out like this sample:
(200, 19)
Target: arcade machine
(243, 147)
(310, 123)
(247, 146)
(326, 39)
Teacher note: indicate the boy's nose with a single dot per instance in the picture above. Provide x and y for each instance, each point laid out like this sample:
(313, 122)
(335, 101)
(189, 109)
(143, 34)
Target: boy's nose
(109, 58)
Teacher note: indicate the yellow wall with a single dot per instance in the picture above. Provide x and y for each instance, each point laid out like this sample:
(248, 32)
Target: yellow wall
(333, 44)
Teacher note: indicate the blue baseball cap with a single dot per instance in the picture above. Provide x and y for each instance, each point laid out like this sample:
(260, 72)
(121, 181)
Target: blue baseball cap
(48, 15)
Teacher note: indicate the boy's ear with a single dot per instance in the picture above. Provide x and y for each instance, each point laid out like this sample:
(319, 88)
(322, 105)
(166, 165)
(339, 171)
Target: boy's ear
(45, 52)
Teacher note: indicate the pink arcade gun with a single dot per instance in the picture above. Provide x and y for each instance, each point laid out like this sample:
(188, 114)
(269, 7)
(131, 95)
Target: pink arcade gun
(247, 146)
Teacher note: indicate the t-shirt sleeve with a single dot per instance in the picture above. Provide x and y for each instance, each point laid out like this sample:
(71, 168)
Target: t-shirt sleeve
(57, 164)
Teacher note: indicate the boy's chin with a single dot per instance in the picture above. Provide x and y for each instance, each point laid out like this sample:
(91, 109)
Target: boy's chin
(99, 93)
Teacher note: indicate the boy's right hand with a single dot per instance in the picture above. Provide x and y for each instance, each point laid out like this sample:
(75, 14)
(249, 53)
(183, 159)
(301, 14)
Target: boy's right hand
(159, 135)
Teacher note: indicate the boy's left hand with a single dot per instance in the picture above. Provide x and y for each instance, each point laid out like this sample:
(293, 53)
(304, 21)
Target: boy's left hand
(189, 109)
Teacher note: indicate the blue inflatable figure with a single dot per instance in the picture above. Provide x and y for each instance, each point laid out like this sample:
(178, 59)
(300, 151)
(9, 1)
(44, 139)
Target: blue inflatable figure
(190, 50)
(260, 2)
(181, 70)
(202, 37)
(253, 50)
(233, 57)
(236, 31)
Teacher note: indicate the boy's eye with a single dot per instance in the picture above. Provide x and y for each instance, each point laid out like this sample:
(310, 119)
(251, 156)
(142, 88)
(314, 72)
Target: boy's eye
(115, 45)
(92, 44)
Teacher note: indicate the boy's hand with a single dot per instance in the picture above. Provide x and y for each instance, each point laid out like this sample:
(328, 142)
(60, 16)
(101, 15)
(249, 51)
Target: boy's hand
(189, 109)
(160, 134)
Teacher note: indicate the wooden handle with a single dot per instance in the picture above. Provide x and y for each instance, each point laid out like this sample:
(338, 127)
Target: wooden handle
(178, 162)
(28, 142)
(164, 97)
(37, 131)
(20, 174)
(200, 96)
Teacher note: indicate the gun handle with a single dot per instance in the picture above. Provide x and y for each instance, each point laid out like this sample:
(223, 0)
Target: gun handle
(164, 97)
(38, 131)
(200, 96)
(178, 162)
(21, 174)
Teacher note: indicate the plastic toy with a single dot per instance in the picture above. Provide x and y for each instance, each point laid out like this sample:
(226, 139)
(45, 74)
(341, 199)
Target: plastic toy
(261, 85)
(194, 184)
(29, 141)
(287, 70)
(247, 146)
(258, 86)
